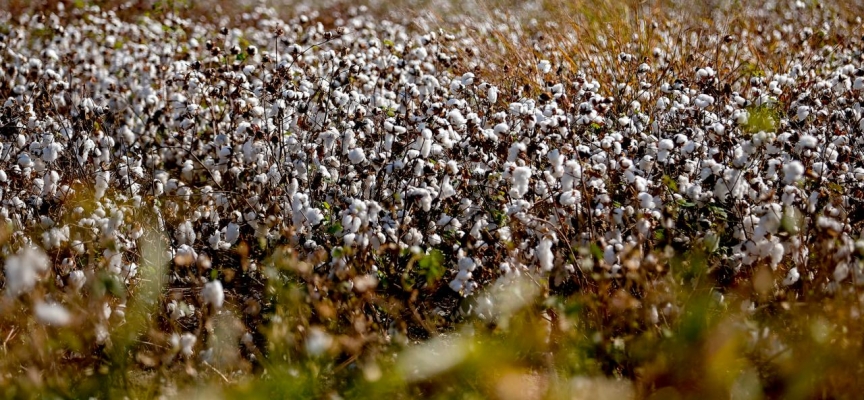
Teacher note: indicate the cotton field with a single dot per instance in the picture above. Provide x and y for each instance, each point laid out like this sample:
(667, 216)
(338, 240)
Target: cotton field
(429, 200)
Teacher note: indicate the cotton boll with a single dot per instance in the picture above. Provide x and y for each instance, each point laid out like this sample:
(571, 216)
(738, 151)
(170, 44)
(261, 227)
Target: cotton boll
(187, 343)
(791, 277)
(447, 189)
(232, 233)
(520, 178)
(792, 172)
(356, 156)
(492, 94)
(314, 216)
(103, 178)
(802, 113)
(544, 66)
(22, 270)
(77, 279)
(213, 294)
(185, 233)
(52, 314)
(51, 152)
(808, 141)
(703, 100)
(544, 254)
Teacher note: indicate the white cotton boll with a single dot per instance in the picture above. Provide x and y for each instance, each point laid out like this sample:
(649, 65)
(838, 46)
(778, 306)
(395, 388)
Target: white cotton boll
(52, 314)
(447, 189)
(188, 170)
(520, 178)
(357, 156)
(544, 66)
(643, 226)
(213, 294)
(185, 233)
(463, 275)
(791, 277)
(232, 233)
(609, 255)
(24, 160)
(792, 172)
(467, 264)
(492, 94)
(544, 254)
(77, 279)
(776, 254)
(102, 180)
(51, 152)
(314, 216)
(808, 141)
(665, 144)
(859, 83)
(501, 128)
(318, 341)
(646, 200)
(803, 112)
(570, 197)
(703, 100)
(515, 109)
(22, 270)
(187, 344)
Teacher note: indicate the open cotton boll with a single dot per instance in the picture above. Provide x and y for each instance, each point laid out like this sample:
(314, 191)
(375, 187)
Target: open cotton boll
(792, 172)
(791, 277)
(492, 94)
(103, 178)
(314, 216)
(356, 155)
(22, 270)
(51, 152)
(187, 344)
(808, 141)
(519, 181)
(544, 66)
(77, 279)
(52, 314)
(703, 100)
(213, 294)
(544, 254)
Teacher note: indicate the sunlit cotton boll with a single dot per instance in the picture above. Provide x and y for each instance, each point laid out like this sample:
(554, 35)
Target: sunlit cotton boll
(23, 269)
(77, 279)
(544, 66)
(521, 176)
(357, 155)
(703, 101)
(544, 254)
(52, 314)
(792, 172)
(213, 294)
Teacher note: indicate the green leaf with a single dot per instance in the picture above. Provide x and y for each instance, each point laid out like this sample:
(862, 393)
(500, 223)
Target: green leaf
(334, 229)
(432, 266)
(670, 183)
